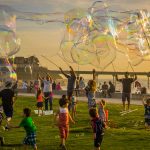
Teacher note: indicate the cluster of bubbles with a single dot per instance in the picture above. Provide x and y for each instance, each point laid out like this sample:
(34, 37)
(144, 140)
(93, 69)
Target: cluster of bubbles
(9, 45)
(92, 36)
(95, 35)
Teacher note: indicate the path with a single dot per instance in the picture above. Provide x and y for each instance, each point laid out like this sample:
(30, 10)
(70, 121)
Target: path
(84, 99)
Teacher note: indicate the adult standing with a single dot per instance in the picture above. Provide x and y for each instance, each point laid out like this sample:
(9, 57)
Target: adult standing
(7, 95)
(47, 90)
(126, 88)
(71, 83)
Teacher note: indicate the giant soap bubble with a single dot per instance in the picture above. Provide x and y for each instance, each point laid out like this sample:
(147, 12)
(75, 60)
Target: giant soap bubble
(7, 73)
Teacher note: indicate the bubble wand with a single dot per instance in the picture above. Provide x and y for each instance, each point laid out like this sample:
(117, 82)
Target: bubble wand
(50, 61)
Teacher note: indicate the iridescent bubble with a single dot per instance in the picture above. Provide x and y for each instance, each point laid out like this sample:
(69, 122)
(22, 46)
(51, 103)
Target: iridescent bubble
(6, 72)
(9, 42)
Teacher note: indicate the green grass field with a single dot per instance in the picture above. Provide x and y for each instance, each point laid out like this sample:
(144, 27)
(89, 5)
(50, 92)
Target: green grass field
(126, 133)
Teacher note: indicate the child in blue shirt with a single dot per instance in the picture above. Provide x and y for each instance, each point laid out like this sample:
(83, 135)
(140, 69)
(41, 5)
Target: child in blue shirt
(98, 128)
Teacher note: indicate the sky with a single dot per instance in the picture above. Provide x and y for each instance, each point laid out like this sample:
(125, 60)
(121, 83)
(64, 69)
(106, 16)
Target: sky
(37, 39)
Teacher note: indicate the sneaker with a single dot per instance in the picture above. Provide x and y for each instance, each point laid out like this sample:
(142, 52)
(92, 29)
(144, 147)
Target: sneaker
(63, 147)
(6, 128)
(2, 141)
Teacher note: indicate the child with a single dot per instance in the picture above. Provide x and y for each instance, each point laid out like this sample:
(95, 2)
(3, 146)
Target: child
(63, 121)
(147, 112)
(91, 90)
(74, 102)
(1, 118)
(101, 110)
(30, 128)
(39, 101)
(98, 128)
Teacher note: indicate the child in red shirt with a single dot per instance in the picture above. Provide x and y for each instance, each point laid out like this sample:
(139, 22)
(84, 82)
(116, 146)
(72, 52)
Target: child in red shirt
(63, 120)
(39, 101)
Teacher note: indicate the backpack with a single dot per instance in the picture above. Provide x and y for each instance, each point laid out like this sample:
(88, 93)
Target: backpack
(99, 127)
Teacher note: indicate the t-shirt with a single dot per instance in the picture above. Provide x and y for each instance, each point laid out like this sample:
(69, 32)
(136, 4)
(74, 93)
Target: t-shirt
(97, 126)
(28, 125)
(71, 82)
(47, 86)
(126, 83)
(40, 98)
(7, 98)
(63, 116)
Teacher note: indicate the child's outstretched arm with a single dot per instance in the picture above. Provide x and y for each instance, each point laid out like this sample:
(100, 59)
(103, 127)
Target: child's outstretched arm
(11, 126)
(70, 118)
(94, 74)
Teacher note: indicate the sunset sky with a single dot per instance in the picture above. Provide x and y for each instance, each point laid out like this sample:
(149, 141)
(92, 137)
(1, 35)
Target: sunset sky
(45, 39)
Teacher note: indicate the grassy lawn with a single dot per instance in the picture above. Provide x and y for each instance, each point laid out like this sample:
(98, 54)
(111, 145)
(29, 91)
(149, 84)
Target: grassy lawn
(126, 133)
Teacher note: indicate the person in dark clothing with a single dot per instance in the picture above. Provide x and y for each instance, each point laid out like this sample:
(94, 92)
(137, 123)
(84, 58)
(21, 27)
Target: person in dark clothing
(15, 89)
(111, 89)
(71, 83)
(126, 91)
(98, 128)
(54, 85)
(104, 89)
(7, 96)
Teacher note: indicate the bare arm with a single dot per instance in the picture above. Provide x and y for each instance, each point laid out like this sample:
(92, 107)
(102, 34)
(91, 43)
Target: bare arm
(63, 72)
(94, 74)
(72, 71)
(117, 77)
(143, 100)
(70, 118)
(135, 78)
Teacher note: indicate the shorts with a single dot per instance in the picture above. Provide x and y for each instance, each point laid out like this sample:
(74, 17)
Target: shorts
(64, 131)
(8, 112)
(147, 121)
(39, 104)
(126, 96)
(98, 141)
(30, 139)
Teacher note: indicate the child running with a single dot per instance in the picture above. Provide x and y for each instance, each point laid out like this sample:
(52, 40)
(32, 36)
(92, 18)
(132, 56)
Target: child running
(30, 128)
(147, 112)
(101, 110)
(63, 121)
(98, 128)
(39, 101)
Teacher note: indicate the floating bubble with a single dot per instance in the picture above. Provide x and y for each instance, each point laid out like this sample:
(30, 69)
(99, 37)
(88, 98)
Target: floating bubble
(9, 42)
(83, 53)
(6, 72)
